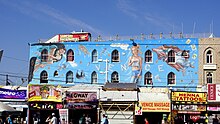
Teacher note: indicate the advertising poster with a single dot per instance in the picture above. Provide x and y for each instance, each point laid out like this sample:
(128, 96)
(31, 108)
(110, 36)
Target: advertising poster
(44, 93)
(63, 116)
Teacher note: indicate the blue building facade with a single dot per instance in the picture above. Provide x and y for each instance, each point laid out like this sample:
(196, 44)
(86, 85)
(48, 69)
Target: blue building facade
(151, 62)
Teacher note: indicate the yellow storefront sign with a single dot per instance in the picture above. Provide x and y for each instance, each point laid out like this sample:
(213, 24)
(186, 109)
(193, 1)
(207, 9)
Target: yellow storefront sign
(44, 93)
(153, 106)
(189, 97)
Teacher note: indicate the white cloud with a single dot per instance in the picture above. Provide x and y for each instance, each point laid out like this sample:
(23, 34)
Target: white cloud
(145, 15)
(39, 11)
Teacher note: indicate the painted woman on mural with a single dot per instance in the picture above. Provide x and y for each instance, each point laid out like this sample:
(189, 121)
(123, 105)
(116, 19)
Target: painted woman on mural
(135, 61)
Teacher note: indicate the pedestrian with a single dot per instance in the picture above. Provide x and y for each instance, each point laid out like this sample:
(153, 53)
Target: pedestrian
(88, 119)
(104, 119)
(146, 121)
(215, 120)
(48, 120)
(9, 120)
(35, 119)
(82, 120)
(54, 119)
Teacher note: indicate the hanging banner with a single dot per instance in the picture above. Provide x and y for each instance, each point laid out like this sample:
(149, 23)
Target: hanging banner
(153, 107)
(44, 93)
(64, 116)
(213, 92)
(189, 97)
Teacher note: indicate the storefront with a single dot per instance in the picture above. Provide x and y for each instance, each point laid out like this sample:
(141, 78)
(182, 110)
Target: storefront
(188, 107)
(117, 101)
(81, 104)
(43, 100)
(154, 104)
(13, 102)
(213, 107)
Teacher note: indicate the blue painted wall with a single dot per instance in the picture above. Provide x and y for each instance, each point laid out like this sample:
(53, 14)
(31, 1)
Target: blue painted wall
(186, 76)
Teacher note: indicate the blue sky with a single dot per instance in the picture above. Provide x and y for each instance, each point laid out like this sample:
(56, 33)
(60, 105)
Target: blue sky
(27, 21)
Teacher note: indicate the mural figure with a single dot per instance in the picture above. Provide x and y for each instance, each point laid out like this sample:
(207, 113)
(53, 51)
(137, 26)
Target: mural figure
(80, 74)
(181, 57)
(57, 52)
(135, 61)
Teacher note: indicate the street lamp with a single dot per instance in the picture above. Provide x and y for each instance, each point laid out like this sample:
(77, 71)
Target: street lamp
(106, 68)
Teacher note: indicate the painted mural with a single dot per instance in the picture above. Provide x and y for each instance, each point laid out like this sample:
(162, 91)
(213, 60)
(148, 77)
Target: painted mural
(131, 66)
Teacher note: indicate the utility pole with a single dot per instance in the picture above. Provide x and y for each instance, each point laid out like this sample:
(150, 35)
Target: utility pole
(1, 53)
(7, 82)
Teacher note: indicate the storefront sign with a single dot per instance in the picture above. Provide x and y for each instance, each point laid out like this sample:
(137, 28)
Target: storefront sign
(213, 107)
(47, 106)
(44, 93)
(153, 106)
(189, 97)
(189, 107)
(12, 94)
(64, 116)
(81, 106)
(213, 92)
(81, 96)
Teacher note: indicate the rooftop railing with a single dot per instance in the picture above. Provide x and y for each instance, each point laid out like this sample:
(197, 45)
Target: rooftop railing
(146, 36)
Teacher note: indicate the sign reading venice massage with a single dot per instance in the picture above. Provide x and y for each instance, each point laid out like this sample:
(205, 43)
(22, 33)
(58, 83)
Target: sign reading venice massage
(153, 106)
(189, 97)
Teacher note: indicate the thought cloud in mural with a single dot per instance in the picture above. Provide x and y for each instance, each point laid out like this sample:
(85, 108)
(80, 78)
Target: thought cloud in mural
(73, 64)
(122, 46)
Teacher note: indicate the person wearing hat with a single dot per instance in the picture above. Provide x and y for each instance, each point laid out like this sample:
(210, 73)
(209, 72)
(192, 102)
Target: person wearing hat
(54, 119)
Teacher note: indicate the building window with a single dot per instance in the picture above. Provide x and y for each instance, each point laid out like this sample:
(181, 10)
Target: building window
(55, 74)
(44, 56)
(148, 56)
(171, 78)
(171, 56)
(70, 55)
(69, 77)
(94, 78)
(209, 77)
(43, 77)
(94, 56)
(209, 57)
(148, 79)
(114, 77)
(115, 56)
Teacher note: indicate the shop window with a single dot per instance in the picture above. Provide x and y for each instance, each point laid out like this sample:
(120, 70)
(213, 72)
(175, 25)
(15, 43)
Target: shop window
(43, 77)
(209, 77)
(209, 57)
(148, 56)
(94, 56)
(69, 77)
(115, 56)
(44, 56)
(70, 55)
(171, 56)
(94, 78)
(114, 77)
(171, 78)
(148, 79)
